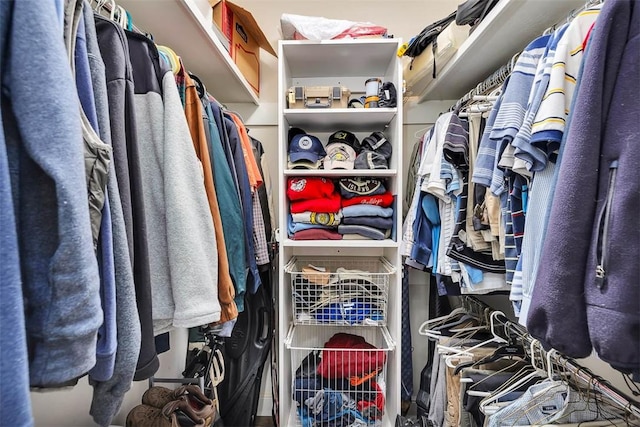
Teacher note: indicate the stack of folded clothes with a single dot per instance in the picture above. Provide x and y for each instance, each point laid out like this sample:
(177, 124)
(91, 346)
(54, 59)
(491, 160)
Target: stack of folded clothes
(366, 209)
(338, 386)
(315, 209)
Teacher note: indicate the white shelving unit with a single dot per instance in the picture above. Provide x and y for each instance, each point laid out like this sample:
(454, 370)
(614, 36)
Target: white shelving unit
(346, 63)
(184, 26)
(506, 30)
(357, 119)
(378, 173)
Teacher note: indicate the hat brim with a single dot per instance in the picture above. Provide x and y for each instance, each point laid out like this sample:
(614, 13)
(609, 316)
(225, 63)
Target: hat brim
(338, 164)
(366, 164)
(303, 164)
(303, 155)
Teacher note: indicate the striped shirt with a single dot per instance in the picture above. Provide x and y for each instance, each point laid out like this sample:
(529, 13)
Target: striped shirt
(459, 246)
(542, 187)
(485, 160)
(514, 105)
(534, 159)
(550, 121)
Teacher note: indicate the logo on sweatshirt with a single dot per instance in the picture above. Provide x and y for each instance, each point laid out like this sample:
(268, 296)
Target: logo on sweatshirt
(323, 218)
(298, 185)
(361, 187)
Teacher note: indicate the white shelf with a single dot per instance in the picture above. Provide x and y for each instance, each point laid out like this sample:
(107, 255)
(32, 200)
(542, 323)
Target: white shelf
(326, 57)
(180, 25)
(353, 119)
(506, 30)
(337, 173)
(346, 63)
(364, 243)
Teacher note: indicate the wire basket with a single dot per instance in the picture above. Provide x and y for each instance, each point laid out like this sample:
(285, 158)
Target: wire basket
(349, 291)
(338, 374)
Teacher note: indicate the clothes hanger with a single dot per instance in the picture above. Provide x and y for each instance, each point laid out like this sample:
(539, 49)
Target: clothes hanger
(532, 356)
(421, 133)
(174, 59)
(487, 405)
(202, 91)
(427, 324)
(510, 350)
(112, 7)
(494, 339)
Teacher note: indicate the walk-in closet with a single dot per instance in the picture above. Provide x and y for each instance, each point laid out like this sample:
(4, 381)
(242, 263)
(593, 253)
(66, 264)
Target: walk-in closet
(320, 213)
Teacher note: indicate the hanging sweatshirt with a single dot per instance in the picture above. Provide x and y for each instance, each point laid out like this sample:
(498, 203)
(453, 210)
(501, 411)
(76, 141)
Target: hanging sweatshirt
(182, 243)
(108, 395)
(229, 201)
(127, 158)
(60, 281)
(235, 145)
(95, 149)
(193, 113)
(15, 402)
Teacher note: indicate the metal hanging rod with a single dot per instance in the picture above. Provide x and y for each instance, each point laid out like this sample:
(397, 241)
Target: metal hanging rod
(118, 14)
(510, 329)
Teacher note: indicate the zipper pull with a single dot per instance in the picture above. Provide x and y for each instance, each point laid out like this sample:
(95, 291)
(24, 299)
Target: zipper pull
(600, 276)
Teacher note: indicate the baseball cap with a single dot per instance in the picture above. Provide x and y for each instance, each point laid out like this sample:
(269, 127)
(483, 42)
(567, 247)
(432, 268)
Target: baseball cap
(339, 156)
(378, 142)
(293, 131)
(305, 147)
(345, 137)
(368, 159)
(303, 164)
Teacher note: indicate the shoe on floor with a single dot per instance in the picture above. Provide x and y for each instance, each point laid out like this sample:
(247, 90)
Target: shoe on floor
(171, 415)
(158, 396)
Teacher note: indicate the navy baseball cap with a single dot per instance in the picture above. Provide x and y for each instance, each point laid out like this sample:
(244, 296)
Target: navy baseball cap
(345, 137)
(378, 142)
(306, 147)
(368, 159)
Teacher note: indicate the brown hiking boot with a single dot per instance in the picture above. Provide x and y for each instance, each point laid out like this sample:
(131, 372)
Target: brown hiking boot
(171, 415)
(196, 409)
(158, 396)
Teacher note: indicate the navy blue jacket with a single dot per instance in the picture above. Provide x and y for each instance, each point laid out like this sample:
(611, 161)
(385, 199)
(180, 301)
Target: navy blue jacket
(587, 286)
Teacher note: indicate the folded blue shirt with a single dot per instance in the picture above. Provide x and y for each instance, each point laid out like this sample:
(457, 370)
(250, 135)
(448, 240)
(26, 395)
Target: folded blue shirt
(366, 210)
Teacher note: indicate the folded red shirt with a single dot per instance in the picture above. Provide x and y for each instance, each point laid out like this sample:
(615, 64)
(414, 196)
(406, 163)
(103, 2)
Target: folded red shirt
(303, 188)
(384, 200)
(330, 204)
(346, 355)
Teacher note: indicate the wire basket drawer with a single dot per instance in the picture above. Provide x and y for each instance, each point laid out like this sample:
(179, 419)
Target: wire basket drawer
(338, 374)
(350, 291)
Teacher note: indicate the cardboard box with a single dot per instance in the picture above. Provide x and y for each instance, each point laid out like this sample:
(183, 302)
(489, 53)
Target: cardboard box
(245, 38)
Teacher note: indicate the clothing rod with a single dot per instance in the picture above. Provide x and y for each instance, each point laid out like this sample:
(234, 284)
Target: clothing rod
(600, 384)
(483, 311)
(107, 7)
(485, 98)
(495, 79)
